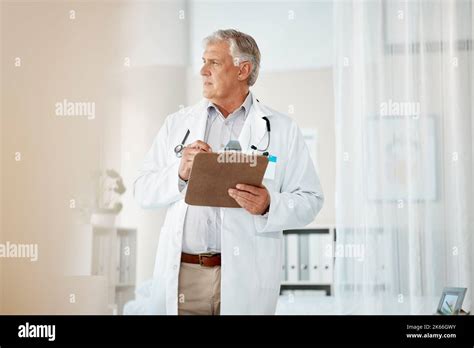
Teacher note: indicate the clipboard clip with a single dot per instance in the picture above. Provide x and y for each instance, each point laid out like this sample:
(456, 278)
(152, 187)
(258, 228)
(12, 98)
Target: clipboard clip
(234, 145)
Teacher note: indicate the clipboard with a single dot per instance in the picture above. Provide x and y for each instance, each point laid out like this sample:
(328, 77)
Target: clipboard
(211, 177)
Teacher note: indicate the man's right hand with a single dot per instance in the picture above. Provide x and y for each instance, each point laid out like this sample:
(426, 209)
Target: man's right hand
(187, 159)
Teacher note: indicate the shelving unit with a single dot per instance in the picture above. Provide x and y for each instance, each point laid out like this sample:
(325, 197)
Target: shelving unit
(114, 256)
(308, 261)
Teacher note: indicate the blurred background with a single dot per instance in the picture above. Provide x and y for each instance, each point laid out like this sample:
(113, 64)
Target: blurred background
(382, 90)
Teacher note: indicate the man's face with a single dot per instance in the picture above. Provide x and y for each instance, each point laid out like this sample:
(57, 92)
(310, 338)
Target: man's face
(219, 74)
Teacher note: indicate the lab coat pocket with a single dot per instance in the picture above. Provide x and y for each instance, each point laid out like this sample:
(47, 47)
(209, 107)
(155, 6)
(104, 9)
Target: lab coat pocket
(268, 259)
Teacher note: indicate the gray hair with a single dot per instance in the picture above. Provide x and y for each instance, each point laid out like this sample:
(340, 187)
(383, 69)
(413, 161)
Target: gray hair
(242, 48)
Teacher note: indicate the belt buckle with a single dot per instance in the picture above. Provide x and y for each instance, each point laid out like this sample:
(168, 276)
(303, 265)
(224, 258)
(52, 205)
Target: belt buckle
(204, 255)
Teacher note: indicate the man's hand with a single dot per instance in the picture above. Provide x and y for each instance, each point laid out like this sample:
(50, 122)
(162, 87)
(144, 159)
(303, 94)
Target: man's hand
(189, 153)
(254, 199)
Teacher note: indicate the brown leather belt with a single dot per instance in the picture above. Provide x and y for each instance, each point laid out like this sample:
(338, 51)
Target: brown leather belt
(206, 259)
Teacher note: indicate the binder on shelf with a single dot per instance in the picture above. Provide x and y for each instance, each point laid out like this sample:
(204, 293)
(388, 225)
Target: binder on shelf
(284, 259)
(303, 253)
(102, 260)
(126, 250)
(127, 258)
(309, 259)
(123, 258)
(314, 258)
(327, 254)
(293, 260)
(118, 268)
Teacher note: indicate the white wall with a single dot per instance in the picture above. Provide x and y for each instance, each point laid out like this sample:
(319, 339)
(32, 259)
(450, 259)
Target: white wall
(154, 36)
(292, 35)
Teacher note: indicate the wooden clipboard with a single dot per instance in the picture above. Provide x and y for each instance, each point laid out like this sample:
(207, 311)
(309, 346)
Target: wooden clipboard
(212, 176)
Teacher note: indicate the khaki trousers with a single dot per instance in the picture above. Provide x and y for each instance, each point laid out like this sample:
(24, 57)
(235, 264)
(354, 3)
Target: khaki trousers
(199, 290)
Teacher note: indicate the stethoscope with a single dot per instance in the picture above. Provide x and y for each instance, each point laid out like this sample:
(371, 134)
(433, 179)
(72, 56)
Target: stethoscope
(264, 151)
(178, 150)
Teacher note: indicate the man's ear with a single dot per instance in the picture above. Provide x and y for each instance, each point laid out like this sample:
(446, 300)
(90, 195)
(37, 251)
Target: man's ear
(244, 70)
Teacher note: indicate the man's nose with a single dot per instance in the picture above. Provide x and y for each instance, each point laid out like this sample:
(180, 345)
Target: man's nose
(205, 70)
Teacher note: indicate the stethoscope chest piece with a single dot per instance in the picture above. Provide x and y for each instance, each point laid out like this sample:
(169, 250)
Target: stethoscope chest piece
(178, 150)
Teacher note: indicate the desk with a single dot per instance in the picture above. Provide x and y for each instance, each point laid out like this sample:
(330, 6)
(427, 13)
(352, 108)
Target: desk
(315, 304)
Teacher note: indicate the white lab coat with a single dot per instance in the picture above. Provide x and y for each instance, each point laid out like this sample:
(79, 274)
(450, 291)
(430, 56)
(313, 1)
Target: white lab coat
(251, 246)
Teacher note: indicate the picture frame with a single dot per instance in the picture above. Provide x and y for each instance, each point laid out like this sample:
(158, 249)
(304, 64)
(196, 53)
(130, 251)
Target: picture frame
(451, 301)
(389, 138)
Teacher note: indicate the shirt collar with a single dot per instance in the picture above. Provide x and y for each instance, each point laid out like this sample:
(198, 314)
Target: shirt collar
(245, 105)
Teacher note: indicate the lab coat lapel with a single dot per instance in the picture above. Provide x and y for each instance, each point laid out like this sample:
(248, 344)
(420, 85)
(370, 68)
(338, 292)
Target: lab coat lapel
(197, 121)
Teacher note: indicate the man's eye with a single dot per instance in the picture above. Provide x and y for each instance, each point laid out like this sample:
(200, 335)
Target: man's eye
(215, 63)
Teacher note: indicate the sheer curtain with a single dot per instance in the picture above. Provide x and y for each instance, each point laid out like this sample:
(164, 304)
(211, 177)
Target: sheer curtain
(404, 141)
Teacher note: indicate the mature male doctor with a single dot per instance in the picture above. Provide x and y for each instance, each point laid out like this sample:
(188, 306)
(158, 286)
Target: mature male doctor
(226, 260)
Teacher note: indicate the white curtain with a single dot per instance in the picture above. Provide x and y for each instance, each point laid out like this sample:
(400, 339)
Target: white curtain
(404, 141)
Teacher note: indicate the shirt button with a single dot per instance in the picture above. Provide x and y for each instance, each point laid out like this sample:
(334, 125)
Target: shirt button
(208, 221)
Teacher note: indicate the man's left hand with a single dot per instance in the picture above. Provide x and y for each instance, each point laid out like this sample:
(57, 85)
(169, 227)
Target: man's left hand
(254, 199)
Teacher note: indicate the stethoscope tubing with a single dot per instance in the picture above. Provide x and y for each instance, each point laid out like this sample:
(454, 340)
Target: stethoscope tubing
(180, 147)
